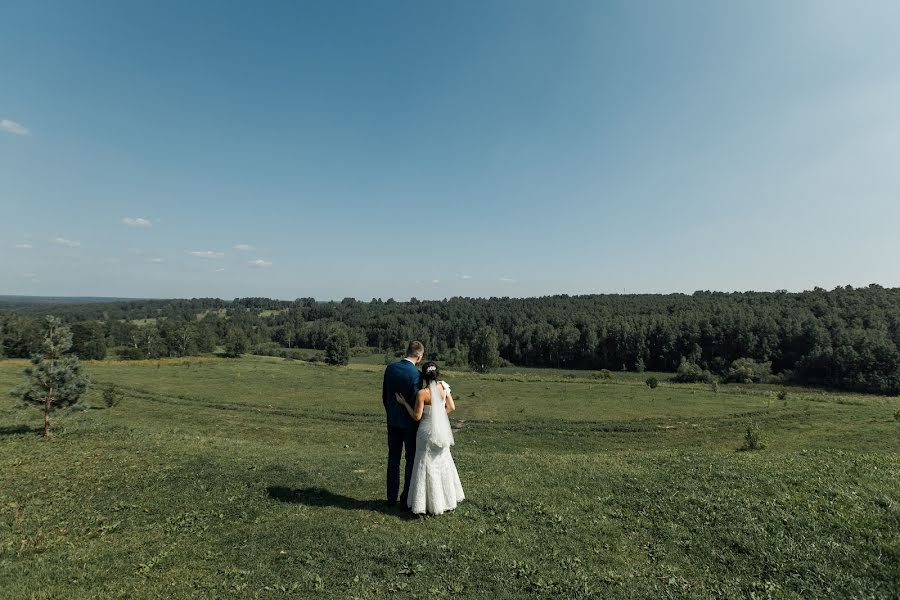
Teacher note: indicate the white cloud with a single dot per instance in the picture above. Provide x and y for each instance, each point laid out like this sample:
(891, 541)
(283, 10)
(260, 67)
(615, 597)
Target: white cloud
(465, 277)
(244, 248)
(13, 127)
(64, 242)
(259, 263)
(35, 281)
(157, 260)
(435, 281)
(507, 280)
(137, 222)
(24, 246)
(208, 254)
(220, 269)
(29, 275)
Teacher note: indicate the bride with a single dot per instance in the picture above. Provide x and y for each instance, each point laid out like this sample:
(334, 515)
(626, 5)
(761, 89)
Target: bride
(435, 487)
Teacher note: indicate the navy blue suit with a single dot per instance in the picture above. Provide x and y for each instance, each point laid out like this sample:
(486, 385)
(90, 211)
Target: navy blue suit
(401, 377)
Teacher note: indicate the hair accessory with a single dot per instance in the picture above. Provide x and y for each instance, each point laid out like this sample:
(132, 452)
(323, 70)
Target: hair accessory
(431, 369)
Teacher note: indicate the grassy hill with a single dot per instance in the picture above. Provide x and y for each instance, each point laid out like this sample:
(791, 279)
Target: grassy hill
(263, 478)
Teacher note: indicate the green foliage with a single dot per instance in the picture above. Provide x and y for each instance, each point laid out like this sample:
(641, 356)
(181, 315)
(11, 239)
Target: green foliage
(111, 396)
(714, 386)
(747, 370)
(604, 374)
(689, 372)
(752, 438)
(236, 343)
(897, 415)
(337, 347)
(652, 382)
(54, 380)
(639, 365)
(485, 353)
(783, 395)
(89, 340)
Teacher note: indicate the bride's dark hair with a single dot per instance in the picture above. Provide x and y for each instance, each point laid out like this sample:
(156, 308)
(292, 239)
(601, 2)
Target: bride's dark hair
(430, 372)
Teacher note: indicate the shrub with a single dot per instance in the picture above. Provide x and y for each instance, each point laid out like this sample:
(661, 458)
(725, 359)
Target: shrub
(752, 438)
(689, 372)
(111, 396)
(639, 365)
(715, 387)
(747, 370)
(604, 374)
(782, 395)
(652, 383)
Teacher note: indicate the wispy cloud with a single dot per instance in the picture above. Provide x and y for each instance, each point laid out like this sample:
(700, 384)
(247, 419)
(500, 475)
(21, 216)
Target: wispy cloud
(64, 242)
(13, 127)
(208, 254)
(157, 260)
(244, 248)
(29, 275)
(220, 269)
(465, 277)
(507, 280)
(23, 246)
(137, 222)
(435, 281)
(259, 263)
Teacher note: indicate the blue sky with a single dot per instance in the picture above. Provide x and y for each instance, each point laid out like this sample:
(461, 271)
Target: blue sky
(437, 149)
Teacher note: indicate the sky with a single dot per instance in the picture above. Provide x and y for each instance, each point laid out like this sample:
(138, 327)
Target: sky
(436, 149)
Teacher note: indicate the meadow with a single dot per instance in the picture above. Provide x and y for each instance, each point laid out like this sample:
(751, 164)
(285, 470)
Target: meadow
(262, 477)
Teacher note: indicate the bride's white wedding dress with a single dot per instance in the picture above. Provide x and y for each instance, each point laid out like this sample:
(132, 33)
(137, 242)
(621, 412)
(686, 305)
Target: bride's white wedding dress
(435, 485)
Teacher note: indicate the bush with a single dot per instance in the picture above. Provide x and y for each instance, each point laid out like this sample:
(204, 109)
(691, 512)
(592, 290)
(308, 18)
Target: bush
(752, 438)
(715, 387)
(111, 396)
(604, 374)
(689, 372)
(747, 370)
(782, 395)
(652, 383)
(639, 365)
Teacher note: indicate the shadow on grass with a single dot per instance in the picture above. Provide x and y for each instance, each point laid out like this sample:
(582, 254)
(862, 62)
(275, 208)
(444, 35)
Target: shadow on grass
(21, 430)
(315, 496)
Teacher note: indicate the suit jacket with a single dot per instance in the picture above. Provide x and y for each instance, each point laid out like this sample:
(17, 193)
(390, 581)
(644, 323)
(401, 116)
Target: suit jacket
(400, 377)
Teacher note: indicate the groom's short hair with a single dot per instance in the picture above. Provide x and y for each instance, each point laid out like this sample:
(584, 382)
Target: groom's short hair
(415, 348)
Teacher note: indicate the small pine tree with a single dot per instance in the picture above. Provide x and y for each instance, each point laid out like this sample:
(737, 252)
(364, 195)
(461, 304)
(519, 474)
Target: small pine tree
(752, 438)
(54, 381)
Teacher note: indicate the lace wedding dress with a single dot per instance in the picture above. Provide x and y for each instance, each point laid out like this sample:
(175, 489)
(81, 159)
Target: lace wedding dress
(435, 487)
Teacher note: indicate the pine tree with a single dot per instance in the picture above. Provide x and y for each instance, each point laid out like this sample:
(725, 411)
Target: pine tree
(54, 381)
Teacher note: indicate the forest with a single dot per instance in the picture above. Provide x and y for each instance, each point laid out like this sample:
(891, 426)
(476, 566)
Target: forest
(846, 338)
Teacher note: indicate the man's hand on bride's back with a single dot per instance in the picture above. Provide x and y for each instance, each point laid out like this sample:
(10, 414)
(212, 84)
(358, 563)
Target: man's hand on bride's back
(400, 398)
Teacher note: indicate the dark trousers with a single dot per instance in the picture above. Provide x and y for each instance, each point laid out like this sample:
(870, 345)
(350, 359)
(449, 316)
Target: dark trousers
(399, 437)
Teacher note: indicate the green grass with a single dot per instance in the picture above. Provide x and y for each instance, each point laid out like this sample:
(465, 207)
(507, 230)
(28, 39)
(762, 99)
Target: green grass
(262, 478)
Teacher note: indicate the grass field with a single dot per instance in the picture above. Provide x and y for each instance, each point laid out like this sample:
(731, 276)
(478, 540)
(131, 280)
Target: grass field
(263, 478)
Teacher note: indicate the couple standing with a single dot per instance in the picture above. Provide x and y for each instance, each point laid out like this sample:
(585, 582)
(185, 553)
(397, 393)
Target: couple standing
(416, 403)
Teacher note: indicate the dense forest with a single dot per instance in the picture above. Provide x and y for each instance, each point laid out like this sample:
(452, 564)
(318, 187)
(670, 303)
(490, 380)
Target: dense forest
(846, 338)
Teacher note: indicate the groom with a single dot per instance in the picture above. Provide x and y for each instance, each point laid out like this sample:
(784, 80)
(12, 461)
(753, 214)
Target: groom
(401, 377)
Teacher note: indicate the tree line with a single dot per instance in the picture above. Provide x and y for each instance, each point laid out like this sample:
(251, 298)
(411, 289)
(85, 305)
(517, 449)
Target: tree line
(847, 338)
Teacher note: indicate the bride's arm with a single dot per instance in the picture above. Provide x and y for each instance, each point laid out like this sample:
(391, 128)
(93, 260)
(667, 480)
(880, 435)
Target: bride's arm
(448, 399)
(415, 413)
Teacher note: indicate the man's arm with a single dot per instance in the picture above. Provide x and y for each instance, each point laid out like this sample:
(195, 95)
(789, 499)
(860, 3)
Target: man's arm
(384, 390)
